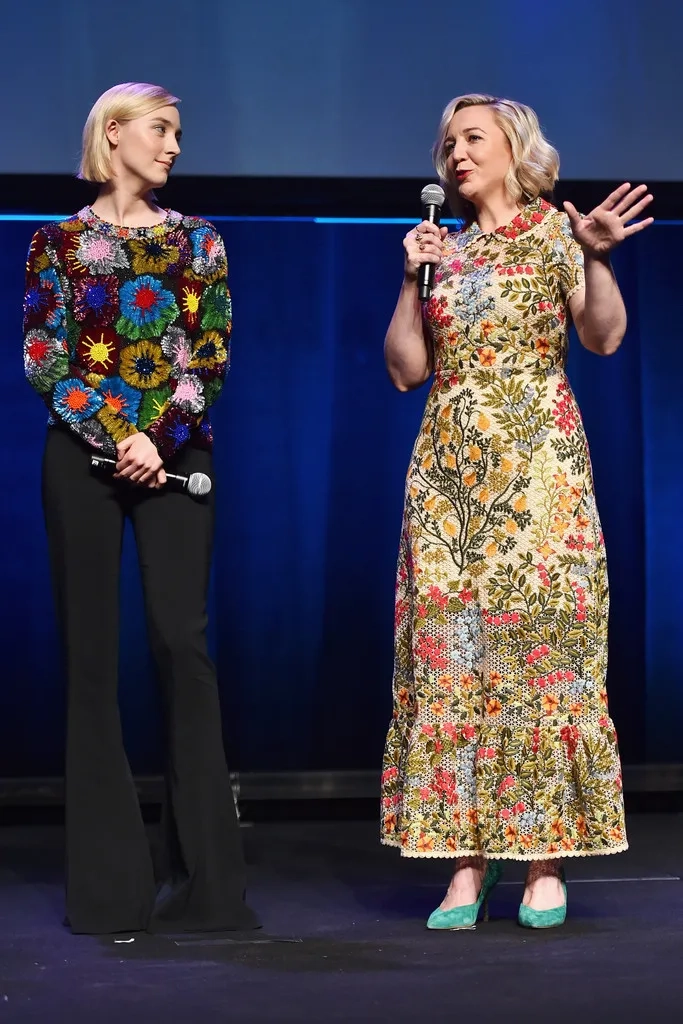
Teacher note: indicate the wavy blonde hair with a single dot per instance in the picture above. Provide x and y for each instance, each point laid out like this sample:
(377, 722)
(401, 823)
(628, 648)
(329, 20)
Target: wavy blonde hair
(535, 164)
(121, 103)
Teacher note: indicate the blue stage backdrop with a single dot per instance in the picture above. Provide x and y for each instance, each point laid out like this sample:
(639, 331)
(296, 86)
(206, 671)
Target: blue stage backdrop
(348, 88)
(312, 447)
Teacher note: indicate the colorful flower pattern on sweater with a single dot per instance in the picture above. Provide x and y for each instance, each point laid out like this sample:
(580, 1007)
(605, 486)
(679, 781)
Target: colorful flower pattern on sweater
(128, 329)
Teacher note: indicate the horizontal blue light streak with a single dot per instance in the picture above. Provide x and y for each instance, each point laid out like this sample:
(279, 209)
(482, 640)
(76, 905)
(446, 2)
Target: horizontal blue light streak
(44, 217)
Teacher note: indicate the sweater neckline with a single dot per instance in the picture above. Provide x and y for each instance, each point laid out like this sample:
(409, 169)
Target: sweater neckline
(88, 216)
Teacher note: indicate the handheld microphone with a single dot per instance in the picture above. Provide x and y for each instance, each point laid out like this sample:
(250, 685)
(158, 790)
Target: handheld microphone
(196, 484)
(432, 198)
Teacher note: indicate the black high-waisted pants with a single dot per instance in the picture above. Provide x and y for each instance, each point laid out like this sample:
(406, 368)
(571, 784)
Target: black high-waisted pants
(112, 885)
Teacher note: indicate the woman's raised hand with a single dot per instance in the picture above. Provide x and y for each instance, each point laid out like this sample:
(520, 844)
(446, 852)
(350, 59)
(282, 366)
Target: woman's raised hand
(607, 225)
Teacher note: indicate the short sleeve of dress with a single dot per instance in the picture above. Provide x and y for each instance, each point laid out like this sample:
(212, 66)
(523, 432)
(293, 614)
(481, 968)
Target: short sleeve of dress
(569, 258)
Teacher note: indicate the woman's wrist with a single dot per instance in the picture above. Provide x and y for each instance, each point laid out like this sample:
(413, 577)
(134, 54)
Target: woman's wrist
(597, 258)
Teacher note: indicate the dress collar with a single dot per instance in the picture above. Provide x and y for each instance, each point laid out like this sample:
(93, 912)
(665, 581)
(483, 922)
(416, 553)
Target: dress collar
(532, 214)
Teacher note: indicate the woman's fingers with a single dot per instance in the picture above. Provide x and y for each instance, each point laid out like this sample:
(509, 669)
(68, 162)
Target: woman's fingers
(424, 248)
(426, 227)
(615, 197)
(156, 482)
(416, 258)
(147, 471)
(626, 201)
(572, 212)
(416, 244)
(632, 229)
(137, 472)
(630, 214)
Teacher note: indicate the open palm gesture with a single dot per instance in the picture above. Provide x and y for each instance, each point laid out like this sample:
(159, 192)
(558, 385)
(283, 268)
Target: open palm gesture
(605, 227)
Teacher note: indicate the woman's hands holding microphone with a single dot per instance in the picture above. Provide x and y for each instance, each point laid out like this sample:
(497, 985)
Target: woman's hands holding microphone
(423, 244)
(138, 461)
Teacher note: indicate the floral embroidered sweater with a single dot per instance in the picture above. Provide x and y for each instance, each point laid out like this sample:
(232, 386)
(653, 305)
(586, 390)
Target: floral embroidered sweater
(127, 329)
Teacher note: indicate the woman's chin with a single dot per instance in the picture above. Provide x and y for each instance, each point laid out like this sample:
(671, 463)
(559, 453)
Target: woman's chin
(156, 176)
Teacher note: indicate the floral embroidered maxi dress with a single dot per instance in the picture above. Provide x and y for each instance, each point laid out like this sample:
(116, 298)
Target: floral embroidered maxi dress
(501, 741)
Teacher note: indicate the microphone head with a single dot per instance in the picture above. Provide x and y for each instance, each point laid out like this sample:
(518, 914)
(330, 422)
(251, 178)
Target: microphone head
(198, 484)
(432, 195)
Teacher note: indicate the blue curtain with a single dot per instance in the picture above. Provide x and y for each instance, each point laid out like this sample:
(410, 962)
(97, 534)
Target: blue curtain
(312, 448)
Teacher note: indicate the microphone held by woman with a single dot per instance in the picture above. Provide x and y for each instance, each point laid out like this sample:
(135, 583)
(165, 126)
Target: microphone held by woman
(196, 484)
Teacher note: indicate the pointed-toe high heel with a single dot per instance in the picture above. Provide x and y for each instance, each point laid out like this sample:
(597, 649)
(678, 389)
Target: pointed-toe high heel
(466, 917)
(553, 918)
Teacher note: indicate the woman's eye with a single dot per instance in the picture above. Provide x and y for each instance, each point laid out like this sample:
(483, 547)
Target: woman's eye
(159, 128)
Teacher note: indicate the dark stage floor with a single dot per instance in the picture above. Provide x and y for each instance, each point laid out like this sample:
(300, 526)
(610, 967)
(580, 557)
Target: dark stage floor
(344, 940)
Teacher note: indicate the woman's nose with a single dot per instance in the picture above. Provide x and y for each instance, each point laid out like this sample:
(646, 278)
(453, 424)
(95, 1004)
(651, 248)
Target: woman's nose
(459, 150)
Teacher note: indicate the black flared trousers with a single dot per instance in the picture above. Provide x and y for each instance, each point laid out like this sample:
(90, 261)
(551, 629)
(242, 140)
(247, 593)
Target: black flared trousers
(113, 883)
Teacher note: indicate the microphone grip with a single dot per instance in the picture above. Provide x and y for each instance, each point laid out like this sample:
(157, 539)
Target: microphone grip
(425, 281)
(100, 461)
(425, 275)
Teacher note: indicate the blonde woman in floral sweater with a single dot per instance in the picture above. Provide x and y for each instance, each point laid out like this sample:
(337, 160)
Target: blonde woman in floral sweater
(501, 745)
(127, 326)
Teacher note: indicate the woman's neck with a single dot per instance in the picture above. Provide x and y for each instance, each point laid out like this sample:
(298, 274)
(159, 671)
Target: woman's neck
(127, 208)
(495, 212)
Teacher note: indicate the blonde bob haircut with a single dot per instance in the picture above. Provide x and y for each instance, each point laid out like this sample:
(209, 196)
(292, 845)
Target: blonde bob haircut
(535, 164)
(121, 103)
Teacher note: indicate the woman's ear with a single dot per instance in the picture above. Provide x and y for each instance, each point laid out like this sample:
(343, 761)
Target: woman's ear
(111, 130)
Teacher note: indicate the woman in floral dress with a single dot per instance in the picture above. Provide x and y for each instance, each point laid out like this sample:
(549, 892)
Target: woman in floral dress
(501, 745)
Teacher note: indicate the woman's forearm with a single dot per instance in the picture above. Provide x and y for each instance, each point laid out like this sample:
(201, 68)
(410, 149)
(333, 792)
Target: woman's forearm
(604, 317)
(407, 350)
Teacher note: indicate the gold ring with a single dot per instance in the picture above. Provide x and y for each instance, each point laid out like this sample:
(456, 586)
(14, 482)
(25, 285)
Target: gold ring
(421, 247)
